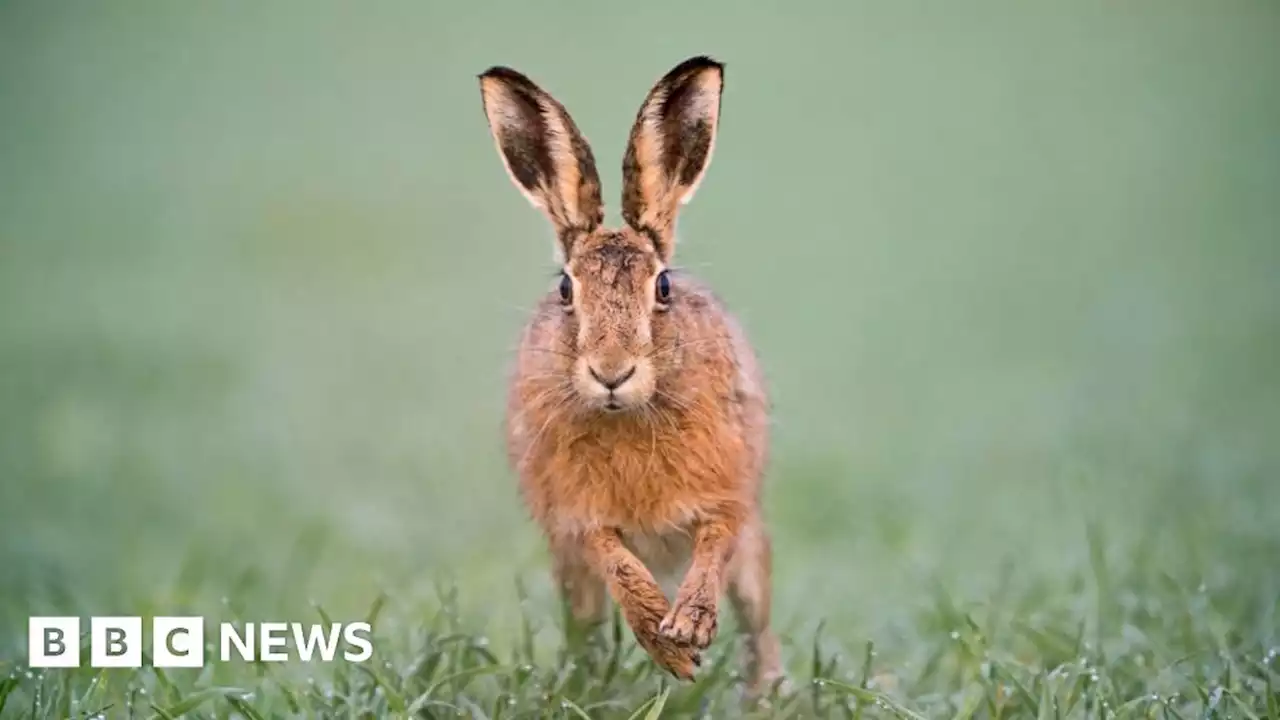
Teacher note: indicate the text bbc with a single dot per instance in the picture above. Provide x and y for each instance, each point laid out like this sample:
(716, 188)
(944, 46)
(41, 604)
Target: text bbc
(54, 642)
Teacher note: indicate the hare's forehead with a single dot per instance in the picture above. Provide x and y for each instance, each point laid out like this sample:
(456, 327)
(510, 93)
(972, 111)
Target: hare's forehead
(615, 262)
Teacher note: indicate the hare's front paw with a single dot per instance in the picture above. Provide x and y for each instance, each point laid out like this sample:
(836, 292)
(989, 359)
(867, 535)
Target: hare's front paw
(691, 621)
(678, 659)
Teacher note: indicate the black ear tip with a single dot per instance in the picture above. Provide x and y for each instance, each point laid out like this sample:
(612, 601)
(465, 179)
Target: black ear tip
(505, 74)
(695, 64)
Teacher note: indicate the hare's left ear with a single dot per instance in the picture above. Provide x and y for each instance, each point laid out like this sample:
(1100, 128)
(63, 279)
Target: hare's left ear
(544, 153)
(670, 148)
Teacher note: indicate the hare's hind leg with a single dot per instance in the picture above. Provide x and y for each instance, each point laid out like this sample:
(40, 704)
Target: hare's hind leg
(583, 592)
(750, 593)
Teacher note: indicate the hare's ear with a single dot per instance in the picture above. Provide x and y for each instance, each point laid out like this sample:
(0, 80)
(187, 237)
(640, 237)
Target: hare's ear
(670, 148)
(543, 151)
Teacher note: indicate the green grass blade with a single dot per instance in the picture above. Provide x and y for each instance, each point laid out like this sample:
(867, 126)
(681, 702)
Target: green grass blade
(195, 700)
(395, 698)
(1273, 702)
(7, 686)
(375, 610)
(571, 705)
(659, 702)
(1244, 706)
(876, 698)
(421, 701)
(244, 708)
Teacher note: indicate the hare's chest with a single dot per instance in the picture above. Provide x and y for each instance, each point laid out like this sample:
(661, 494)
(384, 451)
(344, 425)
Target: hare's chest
(653, 482)
(652, 509)
(647, 491)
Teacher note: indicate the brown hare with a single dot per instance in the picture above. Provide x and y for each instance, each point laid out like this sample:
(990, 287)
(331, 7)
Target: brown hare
(637, 417)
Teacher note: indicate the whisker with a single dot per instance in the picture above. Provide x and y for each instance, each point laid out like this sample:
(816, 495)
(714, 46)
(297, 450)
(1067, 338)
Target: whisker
(553, 415)
(667, 351)
(666, 416)
(549, 351)
(688, 407)
(544, 377)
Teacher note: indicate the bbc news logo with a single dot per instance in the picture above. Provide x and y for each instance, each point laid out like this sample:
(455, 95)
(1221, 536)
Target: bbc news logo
(178, 642)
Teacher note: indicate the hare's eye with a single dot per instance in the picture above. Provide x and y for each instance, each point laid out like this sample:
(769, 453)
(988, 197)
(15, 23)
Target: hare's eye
(566, 289)
(663, 287)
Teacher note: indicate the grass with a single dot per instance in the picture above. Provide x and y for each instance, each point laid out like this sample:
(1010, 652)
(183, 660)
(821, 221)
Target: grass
(1119, 637)
(1023, 670)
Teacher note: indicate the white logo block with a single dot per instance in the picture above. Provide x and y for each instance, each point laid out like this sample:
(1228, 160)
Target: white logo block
(115, 642)
(53, 642)
(177, 642)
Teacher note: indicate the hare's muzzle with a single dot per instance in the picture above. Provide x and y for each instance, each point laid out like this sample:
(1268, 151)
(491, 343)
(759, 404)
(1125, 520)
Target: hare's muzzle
(614, 384)
(613, 381)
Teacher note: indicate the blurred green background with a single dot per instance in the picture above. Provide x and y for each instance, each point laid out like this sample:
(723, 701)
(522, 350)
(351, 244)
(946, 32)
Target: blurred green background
(1012, 269)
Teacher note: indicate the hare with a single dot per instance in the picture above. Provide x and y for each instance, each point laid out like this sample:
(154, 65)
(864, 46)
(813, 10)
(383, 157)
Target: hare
(637, 417)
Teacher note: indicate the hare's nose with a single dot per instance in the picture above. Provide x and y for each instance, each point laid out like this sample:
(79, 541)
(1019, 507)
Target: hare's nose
(614, 382)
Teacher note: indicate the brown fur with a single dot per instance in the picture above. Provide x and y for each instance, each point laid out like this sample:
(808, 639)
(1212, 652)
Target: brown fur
(659, 478)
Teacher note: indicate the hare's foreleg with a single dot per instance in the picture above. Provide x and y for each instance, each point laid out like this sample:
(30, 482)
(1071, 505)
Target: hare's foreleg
(643, 604)
(692, 619)
(750, 593)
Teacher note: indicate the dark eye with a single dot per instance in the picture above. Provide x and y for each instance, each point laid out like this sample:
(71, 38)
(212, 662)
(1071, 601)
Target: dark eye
(663, 287)
(566, 289)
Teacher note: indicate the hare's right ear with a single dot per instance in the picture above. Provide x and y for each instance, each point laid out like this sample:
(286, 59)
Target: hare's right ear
(543, 151)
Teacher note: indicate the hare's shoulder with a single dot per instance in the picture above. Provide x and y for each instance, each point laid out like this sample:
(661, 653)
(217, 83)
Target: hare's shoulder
(715, 318)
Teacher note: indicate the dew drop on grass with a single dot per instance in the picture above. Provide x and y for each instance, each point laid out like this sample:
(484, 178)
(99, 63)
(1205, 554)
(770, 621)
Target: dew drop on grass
(955, 634)
(30, 676)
